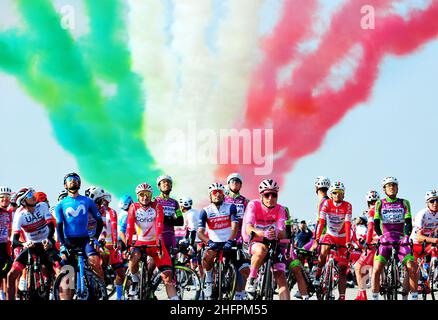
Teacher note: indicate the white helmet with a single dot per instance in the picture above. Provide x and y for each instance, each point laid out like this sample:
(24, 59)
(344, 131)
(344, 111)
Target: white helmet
(337, 185)
(23, 193)
(185, 202)
(94, 192)
(5, 190)
(107, 196)
(234, 176)
(322, 182)
(268, 184)
(164, 177)
(387, 180)
(431, 194)
(143, 187)
(216, 186)
(372, 195)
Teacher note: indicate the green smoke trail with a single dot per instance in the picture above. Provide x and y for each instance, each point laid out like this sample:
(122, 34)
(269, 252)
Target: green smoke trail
(104, 133)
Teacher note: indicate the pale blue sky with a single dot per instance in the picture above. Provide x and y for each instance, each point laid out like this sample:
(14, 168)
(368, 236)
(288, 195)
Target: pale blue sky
(391, 134)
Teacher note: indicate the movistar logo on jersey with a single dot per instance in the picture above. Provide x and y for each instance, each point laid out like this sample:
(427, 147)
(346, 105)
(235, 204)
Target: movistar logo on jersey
(74, 213)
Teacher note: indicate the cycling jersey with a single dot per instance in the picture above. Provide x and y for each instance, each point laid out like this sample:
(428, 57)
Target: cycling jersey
(73, 213)
(392, 214)
(241, 203)
(34, 223)
(170, 209)
(109, 231)
(318, 210)
(218, 221)
(5, 225)
(264, 218)
(191, 218)
(425, 222)
(371, 233)
(122, 222)
(338, 219)
(148, 222)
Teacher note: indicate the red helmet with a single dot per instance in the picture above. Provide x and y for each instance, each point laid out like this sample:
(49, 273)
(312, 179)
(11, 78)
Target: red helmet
(40, 196)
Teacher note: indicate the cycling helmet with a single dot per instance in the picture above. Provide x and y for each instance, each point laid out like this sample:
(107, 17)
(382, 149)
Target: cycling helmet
(143, 187)
(40, 196)
(216, 186)
(372, 195)
(268, 185)
(337, 185)
(163, 177)
(72, 174)
(431, 194)
(322, 182)
(125, 202)
(62, 195)
(234, 176)
(185, 202)
(94, 193)
(23, 193)
(5, 190)
(387, 180)
(13, 200)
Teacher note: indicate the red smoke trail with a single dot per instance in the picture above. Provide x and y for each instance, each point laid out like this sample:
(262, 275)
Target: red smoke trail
(302, 123)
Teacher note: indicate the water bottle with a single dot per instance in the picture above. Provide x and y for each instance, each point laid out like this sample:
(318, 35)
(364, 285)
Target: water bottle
(22, 285)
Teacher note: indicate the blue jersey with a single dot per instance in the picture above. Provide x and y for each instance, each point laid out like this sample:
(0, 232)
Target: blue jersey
(122, 222)
(73, 212)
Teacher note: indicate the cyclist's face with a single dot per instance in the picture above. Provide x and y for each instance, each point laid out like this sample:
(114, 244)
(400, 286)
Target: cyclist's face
(4, 200)
(235, 185)
(391, 189)
(71, 184)
(165, 186)
(217, 196)
(337, 195)
(144, 197)
(269, 198)
(432, 204)
(31, 202)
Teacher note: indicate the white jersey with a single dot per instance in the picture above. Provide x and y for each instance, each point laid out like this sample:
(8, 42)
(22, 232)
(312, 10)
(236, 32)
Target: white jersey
(34, 223)
(218, 222)
(191, 219)
(426, 222)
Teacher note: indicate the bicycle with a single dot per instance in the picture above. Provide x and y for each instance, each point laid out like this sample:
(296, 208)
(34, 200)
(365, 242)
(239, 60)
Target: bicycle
(428, 281)
(291, 280)
(187, 281)
(38, 285)
(88, 285)
(224, 276)
(390, 282)
(330, 273)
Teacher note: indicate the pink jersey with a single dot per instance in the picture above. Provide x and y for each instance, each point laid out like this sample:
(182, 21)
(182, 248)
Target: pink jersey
(338, 219)
(260, 217)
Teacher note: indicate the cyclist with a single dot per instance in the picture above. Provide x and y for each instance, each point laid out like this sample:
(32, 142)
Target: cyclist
(172, 214)
(191, 218)
(392, 220)
(336, 214)
(266, 218)
(146, 219)
(72, 217)
(365, 262)
(426, 227)
(234, 183)
(5, 233)
(108, 238)
(124, 203)
(31, 218)
(221, 221)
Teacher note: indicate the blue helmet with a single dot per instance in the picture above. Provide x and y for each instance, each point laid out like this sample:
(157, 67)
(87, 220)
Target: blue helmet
(125, 202)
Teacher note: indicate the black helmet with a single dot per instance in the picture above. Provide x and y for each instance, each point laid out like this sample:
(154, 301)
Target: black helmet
(72, 174)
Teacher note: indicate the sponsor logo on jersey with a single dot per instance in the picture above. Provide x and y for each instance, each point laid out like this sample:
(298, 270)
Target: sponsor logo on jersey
(74, 213)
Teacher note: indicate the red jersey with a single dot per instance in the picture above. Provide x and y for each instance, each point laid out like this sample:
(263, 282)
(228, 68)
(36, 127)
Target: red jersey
(371, 234)
(338, 219)
(147, 221)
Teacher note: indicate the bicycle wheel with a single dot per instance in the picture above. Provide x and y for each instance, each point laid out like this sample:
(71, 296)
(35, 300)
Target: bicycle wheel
(395, 281)
(291, 281)
(188, 285)
(144, 284)
(228, 281)
(433, 279)
(110, 277)
(96, 286)
(328, 283)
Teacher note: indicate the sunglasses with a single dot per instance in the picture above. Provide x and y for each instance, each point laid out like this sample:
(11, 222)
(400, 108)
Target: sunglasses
(337, 192)
(270, 194)
(216, 192)
(5, 196)
(144, 194)
(30, 195)
(433, 201)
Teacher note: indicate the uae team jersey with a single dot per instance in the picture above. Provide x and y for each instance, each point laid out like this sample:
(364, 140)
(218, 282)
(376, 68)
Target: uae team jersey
(34, 224)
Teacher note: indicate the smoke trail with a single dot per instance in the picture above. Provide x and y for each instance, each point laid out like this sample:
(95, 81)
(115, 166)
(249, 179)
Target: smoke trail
(304, 118)
(69, 92)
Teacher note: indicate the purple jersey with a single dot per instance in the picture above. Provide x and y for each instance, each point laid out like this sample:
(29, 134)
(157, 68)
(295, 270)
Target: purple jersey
(392, 215)
(240, 202)
(170, 208)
